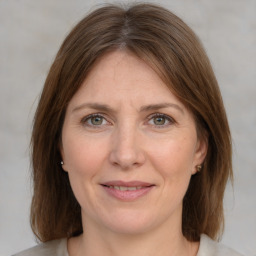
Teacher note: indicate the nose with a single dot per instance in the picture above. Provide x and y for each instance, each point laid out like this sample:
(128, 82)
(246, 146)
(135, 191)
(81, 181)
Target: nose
(126, 150)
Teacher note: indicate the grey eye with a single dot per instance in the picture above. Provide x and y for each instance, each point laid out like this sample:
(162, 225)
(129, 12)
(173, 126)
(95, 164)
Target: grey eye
(159, 120)
(96, 120)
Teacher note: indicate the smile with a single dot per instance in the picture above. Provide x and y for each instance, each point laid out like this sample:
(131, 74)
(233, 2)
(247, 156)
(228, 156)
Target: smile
(127, 191)
(122, 188)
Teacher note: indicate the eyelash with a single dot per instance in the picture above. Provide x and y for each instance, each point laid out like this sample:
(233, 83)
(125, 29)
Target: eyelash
(85, 120)
(169, 119)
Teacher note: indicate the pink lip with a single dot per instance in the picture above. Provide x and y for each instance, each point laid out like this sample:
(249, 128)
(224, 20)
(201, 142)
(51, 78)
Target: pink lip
(127, 195)
(127, 183)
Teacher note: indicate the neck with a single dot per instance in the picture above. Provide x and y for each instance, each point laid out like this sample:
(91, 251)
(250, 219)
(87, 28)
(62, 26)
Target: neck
(164, 241)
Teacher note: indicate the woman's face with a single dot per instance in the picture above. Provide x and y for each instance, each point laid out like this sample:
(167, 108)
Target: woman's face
(129, 147)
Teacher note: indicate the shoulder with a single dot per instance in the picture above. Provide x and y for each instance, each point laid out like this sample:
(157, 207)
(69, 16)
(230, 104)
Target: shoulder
(51, 248)
(208, 247)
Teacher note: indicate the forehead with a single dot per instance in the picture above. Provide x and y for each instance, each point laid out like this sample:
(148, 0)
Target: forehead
(120, 75)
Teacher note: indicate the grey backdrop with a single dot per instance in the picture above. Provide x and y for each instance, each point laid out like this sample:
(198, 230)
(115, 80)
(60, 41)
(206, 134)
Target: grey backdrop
(30, 34)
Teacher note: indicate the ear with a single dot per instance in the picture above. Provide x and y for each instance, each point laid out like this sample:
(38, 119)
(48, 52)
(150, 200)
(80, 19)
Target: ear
(200, 151)
(62, 155)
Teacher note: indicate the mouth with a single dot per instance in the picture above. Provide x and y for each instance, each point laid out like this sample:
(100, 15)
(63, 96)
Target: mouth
(127, 191)
(123, 188)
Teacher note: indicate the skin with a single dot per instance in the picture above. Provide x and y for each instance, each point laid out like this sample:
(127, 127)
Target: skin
(131, 136)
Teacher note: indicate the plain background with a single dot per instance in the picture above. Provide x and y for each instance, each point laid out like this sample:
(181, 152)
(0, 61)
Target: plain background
(30, 35)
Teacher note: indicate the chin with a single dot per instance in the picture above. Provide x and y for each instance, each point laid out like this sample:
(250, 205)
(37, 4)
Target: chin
(130, 223)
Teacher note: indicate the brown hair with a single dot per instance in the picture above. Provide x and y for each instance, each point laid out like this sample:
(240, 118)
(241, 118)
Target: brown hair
(165, 42)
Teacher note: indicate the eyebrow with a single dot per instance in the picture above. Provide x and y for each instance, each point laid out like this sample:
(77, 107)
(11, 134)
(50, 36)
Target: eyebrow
(160, 106)
(146, 108)
(97, 106)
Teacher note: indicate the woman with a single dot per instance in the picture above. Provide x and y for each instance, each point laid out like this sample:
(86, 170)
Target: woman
(131, 147)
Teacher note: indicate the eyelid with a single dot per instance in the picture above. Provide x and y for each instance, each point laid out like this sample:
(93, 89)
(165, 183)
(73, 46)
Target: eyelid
(86, 118)
(102, 115)
(169, 118)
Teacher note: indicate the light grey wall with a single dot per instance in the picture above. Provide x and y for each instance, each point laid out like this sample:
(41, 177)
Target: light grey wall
(30, 34)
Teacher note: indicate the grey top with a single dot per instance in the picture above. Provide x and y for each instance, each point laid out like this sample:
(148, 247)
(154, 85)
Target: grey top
(207, 247)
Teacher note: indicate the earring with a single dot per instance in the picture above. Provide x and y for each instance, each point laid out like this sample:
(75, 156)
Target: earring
(61, 162)
(198, 168)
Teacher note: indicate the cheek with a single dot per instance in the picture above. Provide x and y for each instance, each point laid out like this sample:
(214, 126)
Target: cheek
(173, 161)
(173, 157)
(83, 162)
(81, 154)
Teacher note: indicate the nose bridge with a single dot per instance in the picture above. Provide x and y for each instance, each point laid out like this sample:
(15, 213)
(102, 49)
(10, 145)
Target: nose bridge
(126, 151)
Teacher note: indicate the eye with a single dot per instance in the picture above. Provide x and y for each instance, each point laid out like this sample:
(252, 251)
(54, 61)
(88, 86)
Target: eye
(160, 120)
(94, 120)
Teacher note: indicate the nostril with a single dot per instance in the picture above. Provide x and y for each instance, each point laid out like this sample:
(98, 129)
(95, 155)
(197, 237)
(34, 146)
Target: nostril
(125, 160)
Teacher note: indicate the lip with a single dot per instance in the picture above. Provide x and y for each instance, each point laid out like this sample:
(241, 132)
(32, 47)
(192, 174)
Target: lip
(134, 183)
(142, 188)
